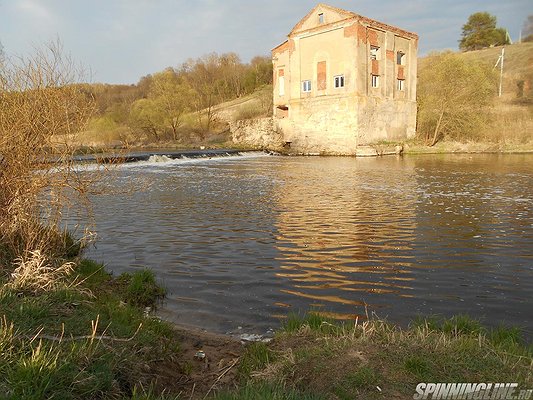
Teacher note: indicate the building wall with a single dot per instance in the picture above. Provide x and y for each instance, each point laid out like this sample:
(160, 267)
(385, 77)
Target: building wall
(334, 120)
(257, 133)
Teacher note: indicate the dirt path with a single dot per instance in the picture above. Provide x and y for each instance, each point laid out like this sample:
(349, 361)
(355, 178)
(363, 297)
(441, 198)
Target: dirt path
(195, 376)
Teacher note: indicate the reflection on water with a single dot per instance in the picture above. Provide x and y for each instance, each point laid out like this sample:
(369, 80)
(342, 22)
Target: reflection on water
(345, 234)
(240, 242)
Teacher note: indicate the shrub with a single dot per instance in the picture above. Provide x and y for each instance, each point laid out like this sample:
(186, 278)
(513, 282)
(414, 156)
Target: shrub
(453, 97)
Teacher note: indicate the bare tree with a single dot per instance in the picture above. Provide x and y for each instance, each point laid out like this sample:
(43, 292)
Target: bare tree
(454, 96)
(41, 110)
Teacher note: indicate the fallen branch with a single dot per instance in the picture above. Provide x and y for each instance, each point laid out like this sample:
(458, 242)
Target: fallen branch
(220, 376)
(74, 338)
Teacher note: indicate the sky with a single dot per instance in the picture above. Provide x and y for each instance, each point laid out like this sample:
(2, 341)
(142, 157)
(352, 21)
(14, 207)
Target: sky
(119, 41)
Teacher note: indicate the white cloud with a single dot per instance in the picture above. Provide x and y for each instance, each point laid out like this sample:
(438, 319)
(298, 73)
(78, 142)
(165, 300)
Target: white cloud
(35, 10)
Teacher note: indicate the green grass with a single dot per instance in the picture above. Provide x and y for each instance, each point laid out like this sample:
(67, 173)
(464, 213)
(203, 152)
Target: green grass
(376, 360)
(256, 357)
(312, 320)
(142, 289)
(266, 391)
(90, 339)
(365, 378)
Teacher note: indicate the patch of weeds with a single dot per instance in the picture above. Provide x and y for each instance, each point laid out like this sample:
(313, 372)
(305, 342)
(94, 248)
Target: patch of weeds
(315, 321)
(506, 337)
(256, 357)
(366, 378)
(267, 391)
(419, 367)
(462, 324)
(91, 274)
(431, 322)
(141, 393)
(143, 290)
(457, 325)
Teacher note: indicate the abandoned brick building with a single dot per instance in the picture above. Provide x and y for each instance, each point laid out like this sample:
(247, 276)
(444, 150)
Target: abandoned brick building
(342, 80)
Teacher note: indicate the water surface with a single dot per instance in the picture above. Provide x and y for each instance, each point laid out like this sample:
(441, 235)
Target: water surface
(240, 242)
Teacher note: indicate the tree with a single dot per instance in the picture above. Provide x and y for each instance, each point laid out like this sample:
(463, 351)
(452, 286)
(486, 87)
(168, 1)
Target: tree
(203, 75)
(480, 32)
(453, 97)
(258, 73)
(167, 100)
(527, 30)
(171, 96)
(41, 110)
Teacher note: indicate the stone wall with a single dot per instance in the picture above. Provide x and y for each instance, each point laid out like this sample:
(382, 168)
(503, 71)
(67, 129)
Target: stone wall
(256, 133)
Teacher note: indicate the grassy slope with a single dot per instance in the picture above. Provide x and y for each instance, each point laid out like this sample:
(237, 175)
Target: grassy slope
(512, 120)
(86, 339)
(313, 358)
(92, 339)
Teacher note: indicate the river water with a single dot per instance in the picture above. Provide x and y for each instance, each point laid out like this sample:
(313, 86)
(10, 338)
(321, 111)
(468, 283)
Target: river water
(239, 242)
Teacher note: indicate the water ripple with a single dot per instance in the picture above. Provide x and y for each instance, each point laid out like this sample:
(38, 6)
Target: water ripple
(241, 242)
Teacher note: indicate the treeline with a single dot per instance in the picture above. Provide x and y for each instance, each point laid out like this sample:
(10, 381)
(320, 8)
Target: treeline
(177, 104)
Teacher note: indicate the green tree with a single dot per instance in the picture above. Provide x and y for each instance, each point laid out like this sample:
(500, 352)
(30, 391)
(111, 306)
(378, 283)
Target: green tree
(454, 95)
(258, 73)
(480, 32)
(204, 76)
(171, 96)
(527, 30)
(162, 111)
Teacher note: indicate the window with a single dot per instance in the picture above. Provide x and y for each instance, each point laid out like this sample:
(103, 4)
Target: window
(375, 81)
(400, 58)
(374, 53)
(321, 76)
(282, 86)
(321, 18)
(401, 84)
(338, 81)
(306, 86)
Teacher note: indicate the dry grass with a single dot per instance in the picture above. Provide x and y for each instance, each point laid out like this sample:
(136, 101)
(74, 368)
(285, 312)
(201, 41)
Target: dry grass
(374, 359)
(36, 272)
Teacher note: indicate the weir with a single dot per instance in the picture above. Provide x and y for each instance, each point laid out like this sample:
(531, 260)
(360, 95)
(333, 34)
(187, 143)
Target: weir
(146, 155)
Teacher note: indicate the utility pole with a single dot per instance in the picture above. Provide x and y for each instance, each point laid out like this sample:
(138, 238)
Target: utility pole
(500, 61)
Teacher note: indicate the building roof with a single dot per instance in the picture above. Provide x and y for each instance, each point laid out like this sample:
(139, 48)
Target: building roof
(343, 15)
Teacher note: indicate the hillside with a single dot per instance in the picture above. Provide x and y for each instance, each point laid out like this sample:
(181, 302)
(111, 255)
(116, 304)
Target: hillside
(511, 117)
(518, 64)
(509, 121)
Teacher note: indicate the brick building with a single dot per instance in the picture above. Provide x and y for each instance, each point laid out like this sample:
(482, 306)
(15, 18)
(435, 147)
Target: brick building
(342, 80)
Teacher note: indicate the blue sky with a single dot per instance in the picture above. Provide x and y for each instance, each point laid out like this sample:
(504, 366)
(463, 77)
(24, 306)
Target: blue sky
(122, 40)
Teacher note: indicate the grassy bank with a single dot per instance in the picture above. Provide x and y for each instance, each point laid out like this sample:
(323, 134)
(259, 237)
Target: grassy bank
(313, 358)
(93, 337)
(87, 338)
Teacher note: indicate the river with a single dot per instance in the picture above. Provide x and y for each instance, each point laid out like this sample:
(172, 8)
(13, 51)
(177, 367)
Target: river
(239, 242)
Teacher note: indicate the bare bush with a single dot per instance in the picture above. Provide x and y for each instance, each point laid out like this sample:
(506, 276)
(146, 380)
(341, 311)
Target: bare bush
(42, 109)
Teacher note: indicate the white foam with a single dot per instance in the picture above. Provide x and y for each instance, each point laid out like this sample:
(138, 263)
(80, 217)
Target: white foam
(164, 161)
(159, 159)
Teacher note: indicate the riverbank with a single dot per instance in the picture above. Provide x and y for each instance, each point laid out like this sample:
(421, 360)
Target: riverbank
(95, 336)
(85, 154)
(452, 147)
